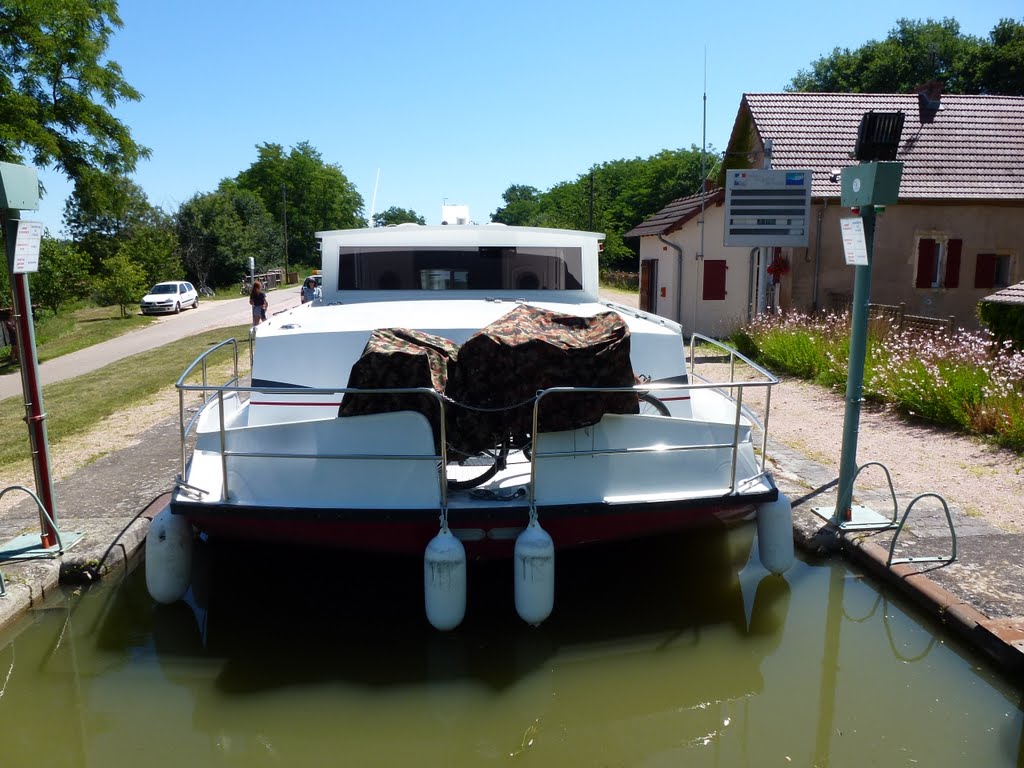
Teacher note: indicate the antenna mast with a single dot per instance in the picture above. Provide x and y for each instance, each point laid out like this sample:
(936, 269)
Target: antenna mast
(703, 191)
(373, 200)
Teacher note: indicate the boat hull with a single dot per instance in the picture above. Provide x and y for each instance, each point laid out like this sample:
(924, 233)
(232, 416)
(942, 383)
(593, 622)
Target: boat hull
(486, 532)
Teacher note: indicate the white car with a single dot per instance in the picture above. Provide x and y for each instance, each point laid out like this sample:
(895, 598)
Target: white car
(170, 296)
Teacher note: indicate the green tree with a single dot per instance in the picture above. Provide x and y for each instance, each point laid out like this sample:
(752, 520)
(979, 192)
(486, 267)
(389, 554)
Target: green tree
(219, 231)
(314, 195)
(123, 282)
(521, 206)
(1002, 63)
(612, 197)
(107, 210)
(155, 249)
(394, 215)
(63, 274)
(916, 52)
(57, 89)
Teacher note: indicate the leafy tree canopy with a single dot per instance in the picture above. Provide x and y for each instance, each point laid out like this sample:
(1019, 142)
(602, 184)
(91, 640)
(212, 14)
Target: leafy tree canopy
(520, 207)
(219, 231)
(394, 215)
(105, 211)
(612, 197)
(316, 195)
(57, 90)
(916, 52)
(123, 282)
(63, 274)
(155, 249)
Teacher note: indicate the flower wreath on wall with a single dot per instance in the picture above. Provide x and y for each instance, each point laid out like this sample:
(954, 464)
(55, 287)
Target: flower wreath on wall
(778, 267)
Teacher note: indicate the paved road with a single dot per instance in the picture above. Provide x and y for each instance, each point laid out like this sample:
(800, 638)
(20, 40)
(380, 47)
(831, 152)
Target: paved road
(210, 314)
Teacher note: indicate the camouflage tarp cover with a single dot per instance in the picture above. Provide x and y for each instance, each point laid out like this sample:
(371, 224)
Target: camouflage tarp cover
(400, 358)
(529, 349)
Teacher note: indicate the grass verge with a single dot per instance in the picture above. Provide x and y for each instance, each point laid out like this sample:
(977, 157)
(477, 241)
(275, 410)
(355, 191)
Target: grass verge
(75, 405)
(77, 329)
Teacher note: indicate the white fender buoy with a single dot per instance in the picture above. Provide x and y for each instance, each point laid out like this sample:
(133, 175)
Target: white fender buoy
(444, 581)
(775, 534)
(168, 557)
(534, 563)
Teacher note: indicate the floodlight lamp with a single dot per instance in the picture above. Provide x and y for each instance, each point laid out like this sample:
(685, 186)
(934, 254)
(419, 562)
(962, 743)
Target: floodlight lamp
(878, 137)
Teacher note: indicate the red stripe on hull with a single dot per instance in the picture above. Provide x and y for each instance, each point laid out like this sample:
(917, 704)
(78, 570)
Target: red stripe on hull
(494, 538)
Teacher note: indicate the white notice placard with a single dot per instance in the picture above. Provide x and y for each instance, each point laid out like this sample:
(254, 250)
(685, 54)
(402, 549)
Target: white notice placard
(26, 248)
(855, 247)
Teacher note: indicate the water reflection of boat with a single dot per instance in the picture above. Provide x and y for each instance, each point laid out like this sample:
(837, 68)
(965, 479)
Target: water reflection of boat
(468, 374)
(677, 657)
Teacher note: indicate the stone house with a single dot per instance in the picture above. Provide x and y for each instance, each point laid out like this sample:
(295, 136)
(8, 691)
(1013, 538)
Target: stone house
(956, 235)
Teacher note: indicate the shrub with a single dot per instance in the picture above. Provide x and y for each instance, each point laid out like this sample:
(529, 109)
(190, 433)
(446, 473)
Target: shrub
(1005, 321)
(969, 381)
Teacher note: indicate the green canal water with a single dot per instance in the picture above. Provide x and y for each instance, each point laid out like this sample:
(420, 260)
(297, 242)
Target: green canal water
(679, 653)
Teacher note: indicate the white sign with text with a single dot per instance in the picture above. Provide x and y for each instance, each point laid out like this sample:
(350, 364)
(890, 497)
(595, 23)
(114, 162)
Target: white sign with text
(855, 246)
(26, 248)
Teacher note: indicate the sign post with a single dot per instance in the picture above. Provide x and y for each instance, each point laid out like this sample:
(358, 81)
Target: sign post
(866, 188)
(19, 190)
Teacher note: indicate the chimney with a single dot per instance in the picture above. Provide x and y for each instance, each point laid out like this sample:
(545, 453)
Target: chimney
(929, 96)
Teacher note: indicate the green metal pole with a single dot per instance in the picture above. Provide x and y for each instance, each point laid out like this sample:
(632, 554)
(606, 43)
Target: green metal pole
(855, 371)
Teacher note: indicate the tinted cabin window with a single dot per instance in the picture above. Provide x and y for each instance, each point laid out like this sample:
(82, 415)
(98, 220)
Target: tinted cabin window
(469, 269)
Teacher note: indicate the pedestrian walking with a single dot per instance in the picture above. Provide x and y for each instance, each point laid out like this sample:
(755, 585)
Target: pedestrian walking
(258, 302)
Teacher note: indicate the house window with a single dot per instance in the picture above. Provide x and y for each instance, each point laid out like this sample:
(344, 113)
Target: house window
(992, 270)
(714, 279)
(938, 262)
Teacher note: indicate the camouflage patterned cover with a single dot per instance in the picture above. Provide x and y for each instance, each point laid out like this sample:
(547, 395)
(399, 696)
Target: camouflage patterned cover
(400, 358)
(529, 349)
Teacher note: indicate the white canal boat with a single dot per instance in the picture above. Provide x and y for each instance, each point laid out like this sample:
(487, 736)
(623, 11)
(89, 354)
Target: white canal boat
(463, 392)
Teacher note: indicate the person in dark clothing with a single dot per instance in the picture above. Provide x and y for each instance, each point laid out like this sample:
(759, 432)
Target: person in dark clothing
(258, 302)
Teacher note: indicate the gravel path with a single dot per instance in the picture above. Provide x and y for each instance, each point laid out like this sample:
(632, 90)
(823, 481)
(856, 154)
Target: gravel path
(981, 480)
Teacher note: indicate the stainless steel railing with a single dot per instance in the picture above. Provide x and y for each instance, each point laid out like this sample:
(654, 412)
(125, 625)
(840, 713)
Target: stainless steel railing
(768, 380)
(732, 390)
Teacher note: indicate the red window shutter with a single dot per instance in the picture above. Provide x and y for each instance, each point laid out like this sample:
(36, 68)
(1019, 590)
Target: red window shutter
(714, 279)
(985, 271)
(952, 277)
(925, 263)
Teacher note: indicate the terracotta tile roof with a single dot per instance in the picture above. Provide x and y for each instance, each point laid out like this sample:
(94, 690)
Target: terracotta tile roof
(675, 214)
(1014, 294)
(973, 147)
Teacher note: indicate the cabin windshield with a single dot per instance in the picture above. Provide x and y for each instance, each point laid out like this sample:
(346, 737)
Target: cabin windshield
(469, 268)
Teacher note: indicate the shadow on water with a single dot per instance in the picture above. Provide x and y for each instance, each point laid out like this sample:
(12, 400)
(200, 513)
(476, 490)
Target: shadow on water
(680, 650)
(283, 620)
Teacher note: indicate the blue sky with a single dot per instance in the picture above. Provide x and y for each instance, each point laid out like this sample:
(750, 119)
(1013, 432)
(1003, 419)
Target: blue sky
(456, 101)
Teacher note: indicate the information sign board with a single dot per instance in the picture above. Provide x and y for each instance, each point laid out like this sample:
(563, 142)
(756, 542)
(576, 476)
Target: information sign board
(26, 247)
(767, 207)
(855, 246)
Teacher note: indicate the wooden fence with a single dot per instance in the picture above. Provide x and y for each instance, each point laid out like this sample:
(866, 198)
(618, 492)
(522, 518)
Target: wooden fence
(896, 315)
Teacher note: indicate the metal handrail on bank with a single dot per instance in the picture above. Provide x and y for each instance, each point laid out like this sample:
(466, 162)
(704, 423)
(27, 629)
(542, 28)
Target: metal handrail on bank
(210, 393)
